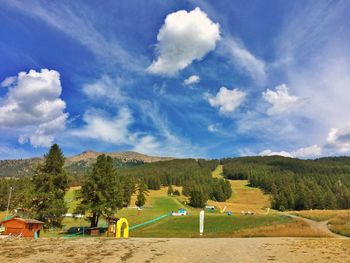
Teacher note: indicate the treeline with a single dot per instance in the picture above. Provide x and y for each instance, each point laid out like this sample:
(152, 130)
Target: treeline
(42, 196)
(19, 192)
(296, 184)
(194, 175)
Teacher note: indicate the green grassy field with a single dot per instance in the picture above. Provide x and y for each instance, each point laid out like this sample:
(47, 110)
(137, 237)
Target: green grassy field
(159, 203)
(215, 225)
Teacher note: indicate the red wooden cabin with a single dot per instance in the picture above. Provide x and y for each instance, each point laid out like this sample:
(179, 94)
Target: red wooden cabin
(21, 226)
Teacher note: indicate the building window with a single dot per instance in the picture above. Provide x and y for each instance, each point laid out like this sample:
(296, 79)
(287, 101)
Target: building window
(30, 226)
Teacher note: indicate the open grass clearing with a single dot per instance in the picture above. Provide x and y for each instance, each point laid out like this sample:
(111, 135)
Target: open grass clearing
(244, 198)
(218, 172)
(215, 225)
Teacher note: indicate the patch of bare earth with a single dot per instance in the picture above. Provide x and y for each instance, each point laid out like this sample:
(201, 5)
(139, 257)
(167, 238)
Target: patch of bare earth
(176, 250)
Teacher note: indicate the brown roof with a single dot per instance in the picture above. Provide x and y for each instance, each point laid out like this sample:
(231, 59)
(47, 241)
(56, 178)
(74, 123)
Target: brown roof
(31, 221)
(25, 220)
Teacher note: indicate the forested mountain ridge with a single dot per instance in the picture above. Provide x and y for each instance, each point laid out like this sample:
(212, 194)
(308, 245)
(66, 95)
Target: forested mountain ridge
(77, 164)
(293, 183)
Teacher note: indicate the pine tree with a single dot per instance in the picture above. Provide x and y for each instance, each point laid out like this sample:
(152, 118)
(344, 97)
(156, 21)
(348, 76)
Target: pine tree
(142, 191)
(50, 184)
(101, 193)
(170, 190)
(198, 197)
(128, 190)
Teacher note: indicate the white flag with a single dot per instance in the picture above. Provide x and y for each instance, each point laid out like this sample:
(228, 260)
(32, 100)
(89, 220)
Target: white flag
(201, 222)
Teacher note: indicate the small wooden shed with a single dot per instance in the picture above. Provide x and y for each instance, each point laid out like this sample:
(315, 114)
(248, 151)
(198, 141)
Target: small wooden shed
(22, 226)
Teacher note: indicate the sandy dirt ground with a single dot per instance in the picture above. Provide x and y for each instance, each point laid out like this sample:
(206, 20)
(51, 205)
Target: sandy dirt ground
(176, 250)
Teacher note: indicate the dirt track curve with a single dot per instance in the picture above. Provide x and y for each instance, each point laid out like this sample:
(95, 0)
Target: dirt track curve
(320, 226)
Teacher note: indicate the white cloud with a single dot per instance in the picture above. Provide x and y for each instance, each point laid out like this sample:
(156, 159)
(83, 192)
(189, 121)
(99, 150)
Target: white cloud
(194, 79)
(33, 104)
(339, 139)
(307, 152)
(281, 101)
(147, 144)
(311, 151)
(106, 89)
(268, 152)
(213, 127)
(8, 81)
(226, 100)
(108, 129)
(245, 60)
(184, 37)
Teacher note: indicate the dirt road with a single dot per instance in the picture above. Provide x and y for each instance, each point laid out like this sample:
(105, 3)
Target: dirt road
(176, 250)
(320, 226)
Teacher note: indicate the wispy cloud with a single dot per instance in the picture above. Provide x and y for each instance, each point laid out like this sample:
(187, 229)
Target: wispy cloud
(77, 21)
(314, 43)
(244, 60)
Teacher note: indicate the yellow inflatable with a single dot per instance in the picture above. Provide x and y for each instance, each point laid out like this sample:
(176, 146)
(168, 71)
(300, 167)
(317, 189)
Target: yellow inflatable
(120, 223)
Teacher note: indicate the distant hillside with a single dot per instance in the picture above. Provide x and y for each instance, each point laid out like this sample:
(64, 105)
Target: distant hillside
(91, 156)
(76, 164)
(18, 168)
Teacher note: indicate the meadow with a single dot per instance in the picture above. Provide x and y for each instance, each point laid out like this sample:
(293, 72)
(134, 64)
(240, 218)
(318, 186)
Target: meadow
(264, 222)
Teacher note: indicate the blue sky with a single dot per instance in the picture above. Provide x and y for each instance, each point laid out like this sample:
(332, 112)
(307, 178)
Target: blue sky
(175, 78)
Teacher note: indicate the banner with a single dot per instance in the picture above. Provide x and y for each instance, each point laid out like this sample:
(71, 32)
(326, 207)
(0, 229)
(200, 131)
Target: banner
(201, 222)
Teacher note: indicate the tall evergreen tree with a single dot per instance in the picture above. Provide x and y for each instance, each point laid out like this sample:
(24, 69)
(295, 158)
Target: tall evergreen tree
(198, 197)
(128, 185)
(50, 184)
(101, 193)
(142, 192)
(170, 190)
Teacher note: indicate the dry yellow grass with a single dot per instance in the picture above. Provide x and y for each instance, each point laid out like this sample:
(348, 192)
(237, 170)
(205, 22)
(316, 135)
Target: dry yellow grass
(244, 198)
(340, 224)
(297, 228)
(2, 214)
(319, 215)
(218, 172)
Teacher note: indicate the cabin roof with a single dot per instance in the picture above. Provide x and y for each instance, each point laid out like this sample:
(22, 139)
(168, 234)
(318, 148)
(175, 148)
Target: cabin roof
(25, 220)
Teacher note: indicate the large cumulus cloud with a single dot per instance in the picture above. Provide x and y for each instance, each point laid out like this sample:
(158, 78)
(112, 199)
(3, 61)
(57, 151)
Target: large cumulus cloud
(32, 106)
(184, 37)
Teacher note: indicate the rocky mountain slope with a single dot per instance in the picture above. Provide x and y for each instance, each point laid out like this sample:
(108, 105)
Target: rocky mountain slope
(76, 164)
